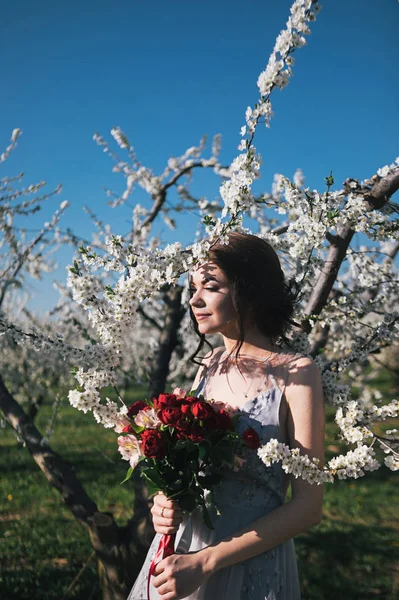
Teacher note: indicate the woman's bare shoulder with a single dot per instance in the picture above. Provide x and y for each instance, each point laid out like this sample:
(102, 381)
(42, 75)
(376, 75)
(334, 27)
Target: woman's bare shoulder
(291, 360)
(295, 369)
(215, 352)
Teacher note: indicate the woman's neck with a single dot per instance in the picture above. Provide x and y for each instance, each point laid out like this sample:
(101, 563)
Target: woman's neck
(254, 344)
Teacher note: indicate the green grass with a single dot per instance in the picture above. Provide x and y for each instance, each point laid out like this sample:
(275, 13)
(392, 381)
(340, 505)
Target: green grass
(350, 555)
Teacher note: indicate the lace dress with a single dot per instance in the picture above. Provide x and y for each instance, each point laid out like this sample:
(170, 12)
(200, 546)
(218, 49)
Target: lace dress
(242, 497)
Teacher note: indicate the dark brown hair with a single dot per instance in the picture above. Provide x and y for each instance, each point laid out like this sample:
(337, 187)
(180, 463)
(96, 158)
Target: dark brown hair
(258, 287)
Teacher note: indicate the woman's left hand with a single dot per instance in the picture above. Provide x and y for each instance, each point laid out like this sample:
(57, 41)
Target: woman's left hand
(179, 575)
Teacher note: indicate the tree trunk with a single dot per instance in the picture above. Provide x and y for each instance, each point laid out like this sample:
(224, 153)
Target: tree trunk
(168, 340)
(120, 550)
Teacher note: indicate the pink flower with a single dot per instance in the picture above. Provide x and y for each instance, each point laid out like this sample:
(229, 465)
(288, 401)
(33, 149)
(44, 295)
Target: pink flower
(222, 406)
(130, 449)
(179, 392)
(147, 418)
(120, 424)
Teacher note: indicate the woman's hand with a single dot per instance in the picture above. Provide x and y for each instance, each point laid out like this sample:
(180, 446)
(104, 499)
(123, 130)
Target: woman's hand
(166, 515)
(179, 575)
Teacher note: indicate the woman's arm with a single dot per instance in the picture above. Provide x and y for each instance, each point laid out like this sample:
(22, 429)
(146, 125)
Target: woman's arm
(305, 425)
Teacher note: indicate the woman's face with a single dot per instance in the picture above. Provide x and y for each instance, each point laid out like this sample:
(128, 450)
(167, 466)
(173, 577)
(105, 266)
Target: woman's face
(211, 300)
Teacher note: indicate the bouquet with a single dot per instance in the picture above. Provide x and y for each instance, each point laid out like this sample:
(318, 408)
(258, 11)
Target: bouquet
(183, 445)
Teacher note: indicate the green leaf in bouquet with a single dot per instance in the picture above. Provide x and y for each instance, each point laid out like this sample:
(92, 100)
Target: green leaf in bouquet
(175, 486)
(128, 475)
(187, 445)
(153, 479)
(136, 428)
(203, 450)
(207, 518)
(152, 488)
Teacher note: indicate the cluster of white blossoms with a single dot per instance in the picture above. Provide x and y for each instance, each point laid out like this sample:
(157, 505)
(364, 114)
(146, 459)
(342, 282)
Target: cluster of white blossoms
(19, 254)
(14, 137)
(351, 465)
(31, 377)
(388, 169)
(236, 192)
(354, 216)
(355, 419)
(279, 68)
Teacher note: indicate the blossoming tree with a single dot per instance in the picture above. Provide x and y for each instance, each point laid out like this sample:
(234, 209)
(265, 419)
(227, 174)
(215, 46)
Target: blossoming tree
(349, 296)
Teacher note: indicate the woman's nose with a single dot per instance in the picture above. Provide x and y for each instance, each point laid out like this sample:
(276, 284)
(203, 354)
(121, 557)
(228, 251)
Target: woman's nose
(196, 299)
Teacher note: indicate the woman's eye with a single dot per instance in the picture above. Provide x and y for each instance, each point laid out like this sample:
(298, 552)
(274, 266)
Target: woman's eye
(193, 290)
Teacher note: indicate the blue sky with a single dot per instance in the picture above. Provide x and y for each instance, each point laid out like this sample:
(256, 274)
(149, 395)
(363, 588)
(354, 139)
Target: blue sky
(167, 73)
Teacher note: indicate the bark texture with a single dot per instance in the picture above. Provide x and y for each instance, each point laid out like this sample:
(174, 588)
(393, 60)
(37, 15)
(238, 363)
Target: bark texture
(168, 340)
(376, 198)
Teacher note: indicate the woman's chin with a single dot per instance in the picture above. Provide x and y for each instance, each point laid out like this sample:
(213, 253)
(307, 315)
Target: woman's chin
(207, 328)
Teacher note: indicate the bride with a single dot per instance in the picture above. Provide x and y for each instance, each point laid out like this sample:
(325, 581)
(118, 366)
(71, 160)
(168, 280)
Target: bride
(241, 294)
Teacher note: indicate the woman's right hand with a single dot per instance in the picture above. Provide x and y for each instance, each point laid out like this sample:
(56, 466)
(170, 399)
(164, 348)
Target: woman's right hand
(166, 515)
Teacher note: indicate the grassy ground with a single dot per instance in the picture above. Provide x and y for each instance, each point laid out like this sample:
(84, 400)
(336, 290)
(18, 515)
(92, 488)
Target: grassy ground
(350, 555)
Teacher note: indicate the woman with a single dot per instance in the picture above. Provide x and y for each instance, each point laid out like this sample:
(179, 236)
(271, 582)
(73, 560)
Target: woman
(241, 294)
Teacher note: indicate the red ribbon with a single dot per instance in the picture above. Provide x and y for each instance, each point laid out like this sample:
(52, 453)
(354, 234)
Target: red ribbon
(166, 548)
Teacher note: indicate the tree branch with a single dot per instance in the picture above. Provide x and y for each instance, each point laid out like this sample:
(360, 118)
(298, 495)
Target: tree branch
(59, 473)
(377, 198)
(160, 197)
(148, 318)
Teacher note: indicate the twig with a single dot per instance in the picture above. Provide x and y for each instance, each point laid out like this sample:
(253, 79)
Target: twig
(78, 576)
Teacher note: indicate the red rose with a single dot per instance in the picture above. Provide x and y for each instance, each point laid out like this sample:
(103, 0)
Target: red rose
(169, 416)
(224, 420)
(182, 429)
(191, 399)
(166, 401)
(153, 445)
(196, 434)
(128, 429)
(251, 438)
(186, 409)
(135, 408)
(202, 410)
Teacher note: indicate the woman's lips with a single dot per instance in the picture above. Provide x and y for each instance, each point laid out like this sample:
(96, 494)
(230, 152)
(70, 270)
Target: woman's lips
(200, 317)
